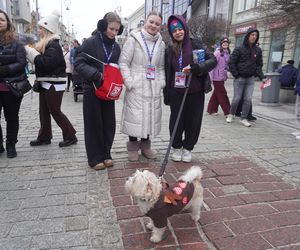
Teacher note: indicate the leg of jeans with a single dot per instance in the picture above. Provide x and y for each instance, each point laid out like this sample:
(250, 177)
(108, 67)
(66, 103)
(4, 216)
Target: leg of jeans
(238, 88)
(248, 92)
(297, 108)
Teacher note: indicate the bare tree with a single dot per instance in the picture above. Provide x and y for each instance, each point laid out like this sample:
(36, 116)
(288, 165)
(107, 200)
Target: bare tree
(210, 30)
(287, 10)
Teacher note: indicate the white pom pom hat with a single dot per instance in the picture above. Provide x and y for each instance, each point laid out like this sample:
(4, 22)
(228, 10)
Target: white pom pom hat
(51, 22)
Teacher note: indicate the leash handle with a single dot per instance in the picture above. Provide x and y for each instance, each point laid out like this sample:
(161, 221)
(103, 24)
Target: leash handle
(93, 58)
(165, 161)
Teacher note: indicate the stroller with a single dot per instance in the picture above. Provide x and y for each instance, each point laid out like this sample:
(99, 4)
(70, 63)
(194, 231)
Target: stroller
(77, 85)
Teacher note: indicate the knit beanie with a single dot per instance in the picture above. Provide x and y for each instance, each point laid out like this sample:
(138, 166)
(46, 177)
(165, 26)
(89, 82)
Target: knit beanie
(175, 24)
(51, 22)
(224, 40)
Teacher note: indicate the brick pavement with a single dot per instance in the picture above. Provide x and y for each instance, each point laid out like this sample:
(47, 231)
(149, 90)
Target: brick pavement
(50, 199)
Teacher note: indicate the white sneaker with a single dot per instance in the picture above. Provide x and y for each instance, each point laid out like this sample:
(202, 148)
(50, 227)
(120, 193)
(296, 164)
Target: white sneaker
(229, 118)
(296, 133)
(177, 154)
(245, 123)
(186, 155)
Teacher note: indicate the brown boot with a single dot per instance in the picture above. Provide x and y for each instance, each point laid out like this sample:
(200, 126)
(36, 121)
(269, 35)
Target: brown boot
(133, 150)
(146, 149)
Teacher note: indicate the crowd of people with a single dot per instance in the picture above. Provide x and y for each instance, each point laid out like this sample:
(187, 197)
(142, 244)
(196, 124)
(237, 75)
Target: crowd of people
(148, 67)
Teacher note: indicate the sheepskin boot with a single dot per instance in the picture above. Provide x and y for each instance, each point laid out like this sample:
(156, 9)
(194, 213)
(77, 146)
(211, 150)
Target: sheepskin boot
(146, 149)
(133, 150)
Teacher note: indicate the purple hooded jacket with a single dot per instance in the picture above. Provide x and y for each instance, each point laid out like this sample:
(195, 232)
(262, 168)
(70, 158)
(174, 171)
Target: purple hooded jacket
(219, 73)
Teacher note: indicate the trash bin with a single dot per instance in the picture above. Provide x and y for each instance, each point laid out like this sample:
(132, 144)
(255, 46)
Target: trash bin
(270, 89)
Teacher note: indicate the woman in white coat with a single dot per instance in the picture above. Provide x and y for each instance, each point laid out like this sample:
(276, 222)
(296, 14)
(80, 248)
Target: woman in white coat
(142, 67)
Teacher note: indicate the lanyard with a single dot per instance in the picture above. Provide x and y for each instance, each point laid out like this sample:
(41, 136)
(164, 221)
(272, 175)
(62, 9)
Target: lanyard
(108, 56)
(150, 55)
(180, 61)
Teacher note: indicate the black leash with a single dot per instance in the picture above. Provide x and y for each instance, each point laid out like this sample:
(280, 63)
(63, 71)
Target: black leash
(165, 161)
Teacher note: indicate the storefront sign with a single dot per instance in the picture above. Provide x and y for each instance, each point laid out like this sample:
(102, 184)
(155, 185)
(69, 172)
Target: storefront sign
(243, 29)
(277, 24)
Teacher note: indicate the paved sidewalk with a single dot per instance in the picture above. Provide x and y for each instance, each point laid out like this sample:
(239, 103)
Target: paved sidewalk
(50, 199)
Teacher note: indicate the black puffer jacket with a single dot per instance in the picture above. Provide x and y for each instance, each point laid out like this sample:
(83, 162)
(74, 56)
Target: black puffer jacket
(89, 68)
(246, 61)
(51, 63)
(12, 62)
(200, 71)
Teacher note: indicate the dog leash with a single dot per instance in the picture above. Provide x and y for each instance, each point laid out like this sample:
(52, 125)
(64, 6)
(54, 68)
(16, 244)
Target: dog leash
(165, 161)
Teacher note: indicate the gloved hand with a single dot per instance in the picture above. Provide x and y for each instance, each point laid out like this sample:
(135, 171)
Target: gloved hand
(99, 80)
(4, 70)
(31, 53)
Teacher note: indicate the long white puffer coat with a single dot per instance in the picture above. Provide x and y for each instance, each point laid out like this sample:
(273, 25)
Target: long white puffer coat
(142, 102)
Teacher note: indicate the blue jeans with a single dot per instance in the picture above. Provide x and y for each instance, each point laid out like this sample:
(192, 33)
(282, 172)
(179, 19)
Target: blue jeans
(242, 85)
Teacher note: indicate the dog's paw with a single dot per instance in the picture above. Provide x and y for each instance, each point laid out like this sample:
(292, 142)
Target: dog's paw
(196, 218)
(149, 226)
(155, 238)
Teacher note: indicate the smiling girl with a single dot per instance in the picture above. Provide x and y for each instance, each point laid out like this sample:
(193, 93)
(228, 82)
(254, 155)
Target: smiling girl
(142, 67)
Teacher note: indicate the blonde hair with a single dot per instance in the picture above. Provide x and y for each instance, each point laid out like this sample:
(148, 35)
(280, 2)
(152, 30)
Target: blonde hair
(41, 45)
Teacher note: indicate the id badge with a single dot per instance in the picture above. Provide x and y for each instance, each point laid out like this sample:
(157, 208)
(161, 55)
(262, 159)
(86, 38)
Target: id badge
(150, 73)
(180, 80)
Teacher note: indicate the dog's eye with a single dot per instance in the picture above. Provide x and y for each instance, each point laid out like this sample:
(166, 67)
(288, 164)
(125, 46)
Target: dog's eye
(143, 199)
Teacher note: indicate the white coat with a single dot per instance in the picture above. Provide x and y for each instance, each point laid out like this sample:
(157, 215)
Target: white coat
(142, 102)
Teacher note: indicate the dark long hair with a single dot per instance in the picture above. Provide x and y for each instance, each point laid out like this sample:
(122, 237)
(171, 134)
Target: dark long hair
(7, 36)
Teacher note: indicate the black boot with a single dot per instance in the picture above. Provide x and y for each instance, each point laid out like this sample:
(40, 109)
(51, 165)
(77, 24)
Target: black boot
(2, 149)
(11, 151)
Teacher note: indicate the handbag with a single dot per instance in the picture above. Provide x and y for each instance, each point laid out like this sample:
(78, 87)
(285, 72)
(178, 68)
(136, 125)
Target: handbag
(37, 86)
(112, 85)
(19, 87)
(207, 84)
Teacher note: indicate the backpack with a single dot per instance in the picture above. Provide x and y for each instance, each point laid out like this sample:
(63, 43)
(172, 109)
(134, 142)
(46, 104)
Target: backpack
(113, 82)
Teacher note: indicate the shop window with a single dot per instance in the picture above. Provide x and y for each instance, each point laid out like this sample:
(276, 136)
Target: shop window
(239, 40)
(180, 6)
(276, 50)
(297, 51)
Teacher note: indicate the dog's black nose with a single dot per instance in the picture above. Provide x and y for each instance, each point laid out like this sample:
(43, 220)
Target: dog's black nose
(127, 178)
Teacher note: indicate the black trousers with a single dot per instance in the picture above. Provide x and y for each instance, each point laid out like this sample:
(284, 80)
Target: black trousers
(190, 121)
(69, 76)
(99, 127)
(11, 106)
(50, 104)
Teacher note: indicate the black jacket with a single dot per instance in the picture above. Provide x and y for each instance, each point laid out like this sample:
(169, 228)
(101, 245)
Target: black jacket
(12, 62)
(199, 70)
(89, 68)
(51, 63)
(246, 61)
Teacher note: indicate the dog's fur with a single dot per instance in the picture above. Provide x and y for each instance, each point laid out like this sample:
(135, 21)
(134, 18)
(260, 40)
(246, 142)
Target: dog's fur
(146, 188)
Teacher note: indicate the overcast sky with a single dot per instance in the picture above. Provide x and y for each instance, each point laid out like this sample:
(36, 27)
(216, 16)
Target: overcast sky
(84, 14)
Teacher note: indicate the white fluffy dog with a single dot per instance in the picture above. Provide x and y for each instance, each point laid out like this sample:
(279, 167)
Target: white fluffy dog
(159, 201)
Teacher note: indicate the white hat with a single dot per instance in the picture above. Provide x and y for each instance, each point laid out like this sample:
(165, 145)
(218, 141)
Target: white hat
(51, 22)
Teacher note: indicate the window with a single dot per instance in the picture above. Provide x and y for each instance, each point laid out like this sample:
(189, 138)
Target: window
(165, 12)
(155, 5)
(276, 49)
(248, 4)
(180, 6)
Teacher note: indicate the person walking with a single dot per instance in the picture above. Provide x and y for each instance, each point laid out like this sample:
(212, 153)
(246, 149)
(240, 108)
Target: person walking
(219, 75)
(142, 67)
(99, 115)
(245, 64)
(179, 63)
(69, 66)
(13, 62)
(50, 70)
(288, 75)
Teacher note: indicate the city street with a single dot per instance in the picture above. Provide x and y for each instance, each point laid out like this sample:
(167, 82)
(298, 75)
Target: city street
(51, 199)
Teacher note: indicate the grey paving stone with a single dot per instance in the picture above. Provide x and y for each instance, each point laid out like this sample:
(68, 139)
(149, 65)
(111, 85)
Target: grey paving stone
(48, 201)
(29, 228)
(76, 223)
(23, 194)
(60, 240)
(65, 189)
(79, 198)
(4, 230)
(7, 205)
(18, 216)
(62, 211)
(18, 243)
